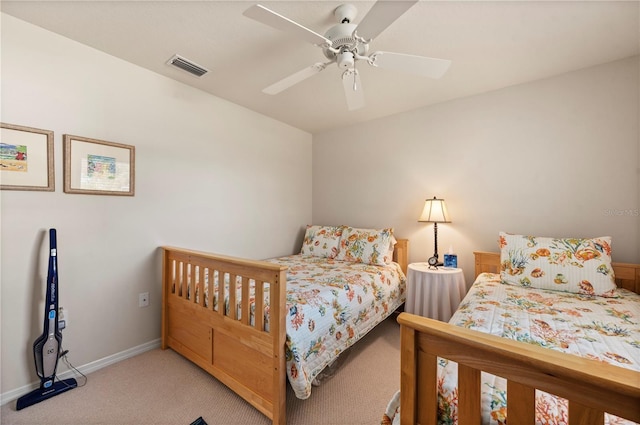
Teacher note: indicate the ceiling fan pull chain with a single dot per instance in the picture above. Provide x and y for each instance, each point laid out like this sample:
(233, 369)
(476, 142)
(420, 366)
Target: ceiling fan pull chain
(355, 72)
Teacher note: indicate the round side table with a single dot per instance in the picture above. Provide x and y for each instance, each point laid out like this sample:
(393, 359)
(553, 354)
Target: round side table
(434, 293)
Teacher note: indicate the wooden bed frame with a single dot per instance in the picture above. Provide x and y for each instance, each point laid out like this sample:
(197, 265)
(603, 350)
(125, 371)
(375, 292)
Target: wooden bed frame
(243, 356)
(591, 387)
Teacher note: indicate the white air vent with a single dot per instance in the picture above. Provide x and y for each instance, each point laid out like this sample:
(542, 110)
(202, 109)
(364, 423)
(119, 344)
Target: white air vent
(187, 65)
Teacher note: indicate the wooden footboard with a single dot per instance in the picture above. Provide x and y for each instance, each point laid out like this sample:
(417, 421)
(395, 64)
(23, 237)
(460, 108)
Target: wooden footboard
(242, 355)
(591, 387)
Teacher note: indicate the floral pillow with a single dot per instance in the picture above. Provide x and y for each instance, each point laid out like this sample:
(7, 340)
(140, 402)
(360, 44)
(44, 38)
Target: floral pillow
(369, 246)
(322, 241)
(581, 266)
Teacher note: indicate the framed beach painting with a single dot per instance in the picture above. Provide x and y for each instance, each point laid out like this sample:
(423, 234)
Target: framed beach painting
(98, 167)
(26, 158)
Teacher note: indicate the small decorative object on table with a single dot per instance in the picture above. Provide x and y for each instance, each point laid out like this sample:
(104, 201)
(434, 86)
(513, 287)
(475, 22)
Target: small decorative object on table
(451, 259)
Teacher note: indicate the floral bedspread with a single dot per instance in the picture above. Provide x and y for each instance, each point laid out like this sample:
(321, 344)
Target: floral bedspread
(332, 304)
(604, 329)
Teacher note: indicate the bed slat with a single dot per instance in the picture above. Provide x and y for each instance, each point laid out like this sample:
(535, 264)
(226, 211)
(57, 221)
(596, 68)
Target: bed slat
(221, 292)
(232, 296)
(469, 412)
(183, 280)
(580, 414)
(259, 304)
(210, 292)
(521, 403)
(245, 314)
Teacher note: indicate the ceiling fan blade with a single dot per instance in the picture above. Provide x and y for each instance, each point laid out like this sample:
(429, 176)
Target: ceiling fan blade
(277, 21)
(419, 65)
(353, 89)
(293, 79)
(380, 16)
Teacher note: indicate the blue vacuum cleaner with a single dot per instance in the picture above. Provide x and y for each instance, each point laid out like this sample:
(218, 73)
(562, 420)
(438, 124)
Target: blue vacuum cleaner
(48, 347)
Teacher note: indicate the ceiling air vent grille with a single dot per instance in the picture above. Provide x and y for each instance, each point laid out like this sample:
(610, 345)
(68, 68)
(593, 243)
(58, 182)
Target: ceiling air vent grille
(186, 65)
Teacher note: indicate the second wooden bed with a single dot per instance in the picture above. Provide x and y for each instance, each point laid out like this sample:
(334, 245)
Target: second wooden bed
(591, 387)
(240, 350)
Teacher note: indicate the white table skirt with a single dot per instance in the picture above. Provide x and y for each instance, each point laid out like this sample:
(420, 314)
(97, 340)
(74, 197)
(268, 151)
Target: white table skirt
(434, 293)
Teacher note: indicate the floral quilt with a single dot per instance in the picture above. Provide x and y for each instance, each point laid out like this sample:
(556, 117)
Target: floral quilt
(331, 304)
(604, 329)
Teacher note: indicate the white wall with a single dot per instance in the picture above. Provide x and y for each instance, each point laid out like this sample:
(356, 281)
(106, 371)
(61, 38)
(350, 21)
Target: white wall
(210, 175)
(549, 158)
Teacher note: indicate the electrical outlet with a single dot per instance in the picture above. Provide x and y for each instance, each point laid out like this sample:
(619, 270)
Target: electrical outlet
(143, 299)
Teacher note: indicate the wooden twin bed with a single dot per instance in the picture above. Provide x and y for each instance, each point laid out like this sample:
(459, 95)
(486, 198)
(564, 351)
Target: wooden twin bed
(239, 349)
(591, 387)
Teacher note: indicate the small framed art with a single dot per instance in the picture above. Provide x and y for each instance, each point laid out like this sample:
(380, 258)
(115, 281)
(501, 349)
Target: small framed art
(26, 158)
(98, 167)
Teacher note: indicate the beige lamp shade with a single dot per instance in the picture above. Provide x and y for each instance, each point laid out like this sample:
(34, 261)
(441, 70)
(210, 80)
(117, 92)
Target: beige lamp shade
(435, 211)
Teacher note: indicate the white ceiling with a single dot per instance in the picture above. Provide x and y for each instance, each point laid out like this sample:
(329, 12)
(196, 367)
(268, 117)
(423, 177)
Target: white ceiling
(491, 44)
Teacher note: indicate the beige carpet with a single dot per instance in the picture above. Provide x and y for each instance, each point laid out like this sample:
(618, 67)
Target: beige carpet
(161, 387)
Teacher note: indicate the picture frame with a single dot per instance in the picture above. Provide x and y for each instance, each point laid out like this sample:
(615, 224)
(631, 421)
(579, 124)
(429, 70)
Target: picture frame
(26, 158)
(98, 167)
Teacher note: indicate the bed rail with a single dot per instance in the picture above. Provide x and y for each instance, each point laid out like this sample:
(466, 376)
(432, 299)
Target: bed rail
(591, 387)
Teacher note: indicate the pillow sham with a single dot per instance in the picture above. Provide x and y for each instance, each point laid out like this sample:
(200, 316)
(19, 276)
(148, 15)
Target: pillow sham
(370, 246)
(576, 265)
(322, 241)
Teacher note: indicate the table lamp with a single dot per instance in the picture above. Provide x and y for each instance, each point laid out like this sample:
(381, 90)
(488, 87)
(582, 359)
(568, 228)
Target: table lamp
(435, 211)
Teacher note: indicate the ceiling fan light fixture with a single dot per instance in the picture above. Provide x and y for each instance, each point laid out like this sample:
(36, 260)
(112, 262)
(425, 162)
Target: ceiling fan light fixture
(345, 59)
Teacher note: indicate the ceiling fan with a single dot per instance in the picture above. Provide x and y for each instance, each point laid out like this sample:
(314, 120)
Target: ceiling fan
(347, 43)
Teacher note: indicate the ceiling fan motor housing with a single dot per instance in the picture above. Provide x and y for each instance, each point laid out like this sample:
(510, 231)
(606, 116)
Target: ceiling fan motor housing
(342, 39)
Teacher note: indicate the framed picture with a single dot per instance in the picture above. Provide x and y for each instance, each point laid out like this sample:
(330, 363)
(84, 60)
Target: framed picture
(26, 158)
(97, 167)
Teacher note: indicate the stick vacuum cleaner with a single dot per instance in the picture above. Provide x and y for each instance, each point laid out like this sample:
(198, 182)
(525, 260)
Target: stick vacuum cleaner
(47, 348)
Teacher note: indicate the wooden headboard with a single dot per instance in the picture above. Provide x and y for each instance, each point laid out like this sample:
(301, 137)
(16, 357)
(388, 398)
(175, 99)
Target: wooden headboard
(401, 253)
(627, 275)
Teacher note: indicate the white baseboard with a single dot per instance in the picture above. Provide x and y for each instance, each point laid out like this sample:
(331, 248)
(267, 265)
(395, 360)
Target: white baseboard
(85, 369)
